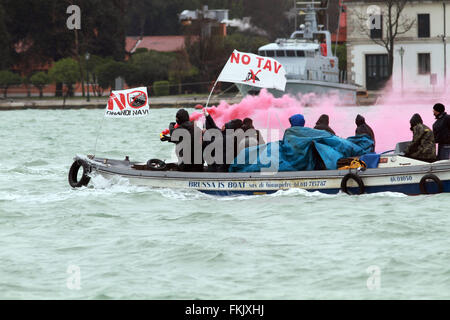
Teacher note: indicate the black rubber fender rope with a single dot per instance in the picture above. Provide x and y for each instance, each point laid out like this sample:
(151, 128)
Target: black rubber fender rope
(357, 179)
(73, 174)
(430, 176)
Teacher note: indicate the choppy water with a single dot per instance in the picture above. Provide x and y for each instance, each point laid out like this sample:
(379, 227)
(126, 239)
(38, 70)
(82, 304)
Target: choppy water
(137, 243)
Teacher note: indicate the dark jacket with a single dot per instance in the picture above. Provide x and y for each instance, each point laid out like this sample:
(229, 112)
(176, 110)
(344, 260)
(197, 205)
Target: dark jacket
(441, 129)
(423, 146)
(324, 124)
(231, 125)
(363, 128)
(257, 134)
(196, 141)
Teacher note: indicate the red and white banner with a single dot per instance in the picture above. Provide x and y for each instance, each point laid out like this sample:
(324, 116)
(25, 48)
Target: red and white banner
(128, 103)
(254, 70)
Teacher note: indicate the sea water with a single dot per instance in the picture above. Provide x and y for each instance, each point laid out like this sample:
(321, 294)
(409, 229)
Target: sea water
(112, 240)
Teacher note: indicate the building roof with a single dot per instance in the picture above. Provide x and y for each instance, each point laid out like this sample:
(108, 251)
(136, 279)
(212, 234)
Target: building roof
(157, 43)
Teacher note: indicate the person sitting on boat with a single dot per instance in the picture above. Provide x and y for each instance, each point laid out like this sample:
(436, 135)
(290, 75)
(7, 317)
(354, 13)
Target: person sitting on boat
(195, 147)
(297, 120)
(252, 136)
(227, 130)
(324, 124)
(362, 128)
(441, 130)
(423, 146)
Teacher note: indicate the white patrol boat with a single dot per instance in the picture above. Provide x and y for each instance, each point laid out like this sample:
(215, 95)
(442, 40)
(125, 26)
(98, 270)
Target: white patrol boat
(309, 62)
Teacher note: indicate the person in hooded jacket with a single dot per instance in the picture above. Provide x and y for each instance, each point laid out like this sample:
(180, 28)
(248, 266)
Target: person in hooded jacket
(252, 136)
(297, 120)
(423, 146)
(362, 128)
(227, 129)
(324, 124)
(183, 122)
(441, 130)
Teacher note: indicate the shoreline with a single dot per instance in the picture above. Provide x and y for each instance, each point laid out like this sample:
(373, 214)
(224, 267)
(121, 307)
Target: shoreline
(187, 101)
(11, 104)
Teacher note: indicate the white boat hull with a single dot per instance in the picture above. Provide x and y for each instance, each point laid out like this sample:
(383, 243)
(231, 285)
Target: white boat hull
(405, 180)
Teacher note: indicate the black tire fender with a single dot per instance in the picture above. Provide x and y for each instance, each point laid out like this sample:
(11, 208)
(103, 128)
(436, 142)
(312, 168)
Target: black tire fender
(357, 179)
(73, 174)
(435, 179)
(156, 165)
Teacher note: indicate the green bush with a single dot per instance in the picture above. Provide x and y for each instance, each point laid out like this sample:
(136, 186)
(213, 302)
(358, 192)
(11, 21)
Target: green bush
(65, 71)
(40, 80)
(9, 79)
(161, 88)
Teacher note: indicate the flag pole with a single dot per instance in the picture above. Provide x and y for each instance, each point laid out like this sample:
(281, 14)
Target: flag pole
(210, 94)
(98, 134)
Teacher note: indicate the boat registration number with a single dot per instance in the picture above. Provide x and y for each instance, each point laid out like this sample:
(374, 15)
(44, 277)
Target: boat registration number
(401, 179)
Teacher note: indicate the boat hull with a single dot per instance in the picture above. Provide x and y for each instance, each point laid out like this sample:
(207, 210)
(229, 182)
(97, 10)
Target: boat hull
(399, 179)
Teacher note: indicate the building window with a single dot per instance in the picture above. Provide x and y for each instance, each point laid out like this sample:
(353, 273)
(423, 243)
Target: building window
(376, 31)
(423, 22)
(424, 63)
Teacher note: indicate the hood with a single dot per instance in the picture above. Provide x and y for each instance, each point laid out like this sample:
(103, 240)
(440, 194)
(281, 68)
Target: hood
(324, 120)
(182, 116)
(415, 120)
(360, 120)
(233, 124)
(248, 123)
(297, 120)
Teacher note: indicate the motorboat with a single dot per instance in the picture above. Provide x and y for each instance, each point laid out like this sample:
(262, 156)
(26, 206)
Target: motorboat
(393, 172)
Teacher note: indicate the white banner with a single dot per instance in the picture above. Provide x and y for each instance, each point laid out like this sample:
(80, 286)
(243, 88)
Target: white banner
(128, 103)
(254, 70)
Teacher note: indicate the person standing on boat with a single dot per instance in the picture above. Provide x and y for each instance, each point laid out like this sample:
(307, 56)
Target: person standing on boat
(179, 130)
(423, 146)
(252, 136)
(228, 136)
(324, 124)
(362, 128)
(441, 130)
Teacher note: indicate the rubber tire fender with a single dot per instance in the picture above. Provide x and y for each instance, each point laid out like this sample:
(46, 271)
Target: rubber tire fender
(430, 176)
(73, 174)
(156, 165)
(357, 179)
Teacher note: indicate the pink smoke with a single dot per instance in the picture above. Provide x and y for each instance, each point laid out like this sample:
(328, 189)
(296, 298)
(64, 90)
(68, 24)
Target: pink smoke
(268, 112)
(388, 117)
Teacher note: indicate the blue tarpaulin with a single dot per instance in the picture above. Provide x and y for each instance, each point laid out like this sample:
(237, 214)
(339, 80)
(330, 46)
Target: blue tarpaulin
(302, 149)
(371, 160)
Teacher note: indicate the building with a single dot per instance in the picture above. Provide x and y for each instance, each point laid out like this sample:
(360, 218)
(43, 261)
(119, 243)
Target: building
(420, 54)
(211, 21)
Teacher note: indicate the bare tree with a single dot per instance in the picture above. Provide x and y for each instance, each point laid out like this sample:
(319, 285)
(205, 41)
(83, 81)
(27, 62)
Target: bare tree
(387, 16)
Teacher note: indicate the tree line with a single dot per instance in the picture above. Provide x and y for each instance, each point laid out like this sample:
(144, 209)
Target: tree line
(34, 35)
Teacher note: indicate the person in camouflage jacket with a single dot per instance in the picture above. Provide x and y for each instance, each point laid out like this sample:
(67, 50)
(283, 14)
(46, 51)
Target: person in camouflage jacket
(423, 146)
